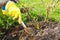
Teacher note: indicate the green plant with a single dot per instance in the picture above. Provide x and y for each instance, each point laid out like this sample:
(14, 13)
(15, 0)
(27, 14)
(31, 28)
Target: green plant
(6, 21)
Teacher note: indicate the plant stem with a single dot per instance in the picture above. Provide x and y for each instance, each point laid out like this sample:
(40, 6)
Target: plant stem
(36, 24)
(48, 9)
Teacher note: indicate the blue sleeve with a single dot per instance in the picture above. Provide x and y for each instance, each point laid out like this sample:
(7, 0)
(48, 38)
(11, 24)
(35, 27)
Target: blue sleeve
(3, 7)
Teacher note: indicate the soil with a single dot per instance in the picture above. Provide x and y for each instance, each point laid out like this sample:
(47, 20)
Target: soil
(48, 31)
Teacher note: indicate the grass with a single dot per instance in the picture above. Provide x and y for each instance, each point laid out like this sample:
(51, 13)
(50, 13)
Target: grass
(39, 8)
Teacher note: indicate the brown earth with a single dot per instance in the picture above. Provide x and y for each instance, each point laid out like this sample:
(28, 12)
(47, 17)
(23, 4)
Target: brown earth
(48, 31)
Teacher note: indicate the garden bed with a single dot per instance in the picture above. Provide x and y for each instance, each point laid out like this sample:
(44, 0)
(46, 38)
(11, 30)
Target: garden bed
(48, 31)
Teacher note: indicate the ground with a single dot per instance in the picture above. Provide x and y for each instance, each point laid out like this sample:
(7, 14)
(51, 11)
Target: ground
(48, 31)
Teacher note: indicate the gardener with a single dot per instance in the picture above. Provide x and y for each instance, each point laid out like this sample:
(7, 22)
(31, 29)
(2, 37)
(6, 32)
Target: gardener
(13, 11)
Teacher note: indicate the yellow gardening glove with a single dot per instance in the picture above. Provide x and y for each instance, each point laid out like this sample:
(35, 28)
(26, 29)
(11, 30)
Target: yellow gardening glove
(4, 11)
(14, 11)
(10, 4)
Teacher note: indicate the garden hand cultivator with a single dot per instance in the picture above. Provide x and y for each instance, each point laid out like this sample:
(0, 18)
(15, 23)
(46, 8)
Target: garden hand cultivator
(15, 13)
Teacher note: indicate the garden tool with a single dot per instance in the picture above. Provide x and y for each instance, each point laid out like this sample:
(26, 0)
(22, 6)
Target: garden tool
(14, 11)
